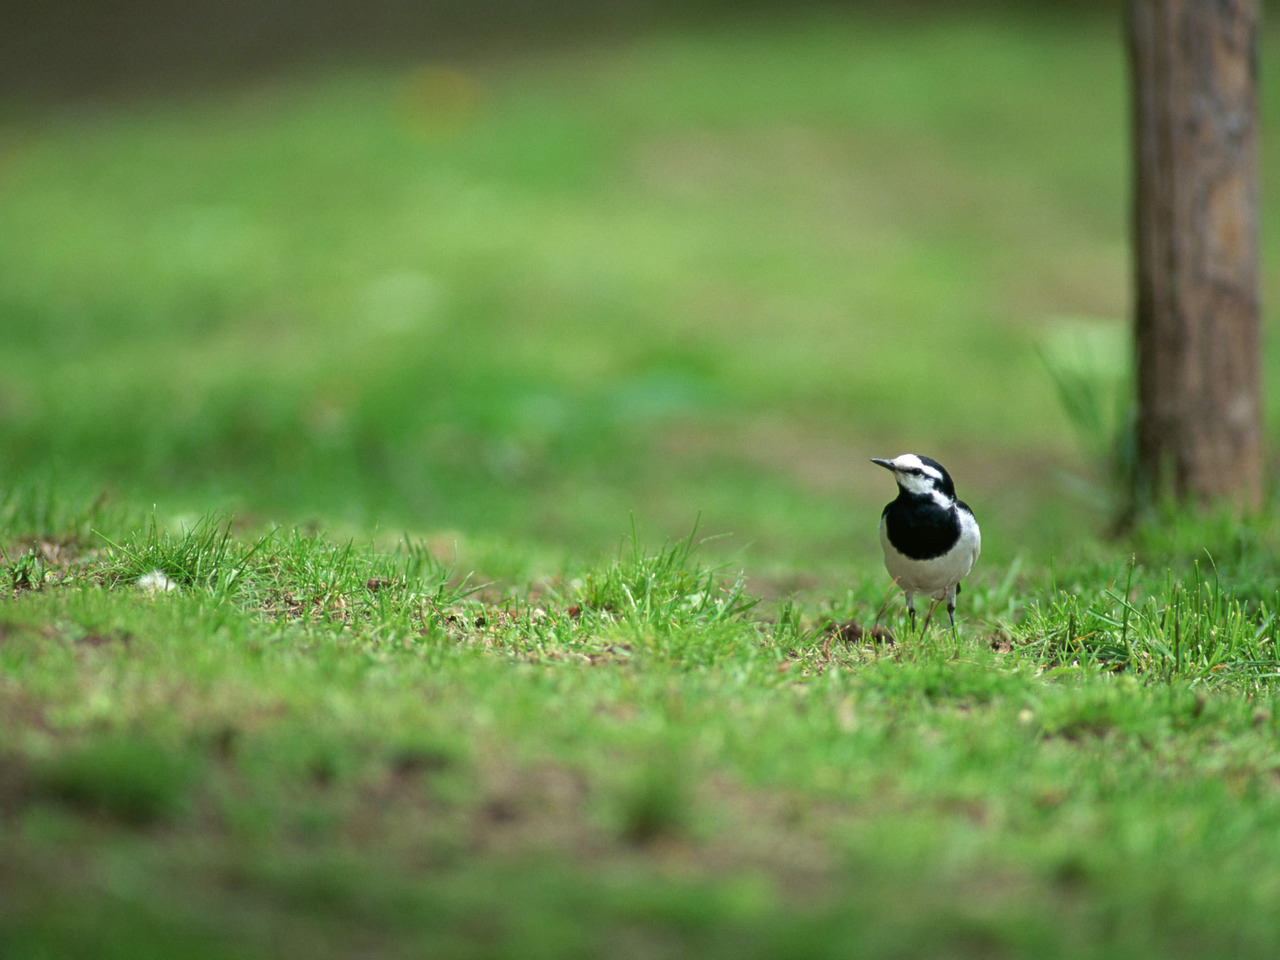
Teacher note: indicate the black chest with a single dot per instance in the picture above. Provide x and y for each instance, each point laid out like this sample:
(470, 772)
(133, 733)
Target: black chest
(920, 528)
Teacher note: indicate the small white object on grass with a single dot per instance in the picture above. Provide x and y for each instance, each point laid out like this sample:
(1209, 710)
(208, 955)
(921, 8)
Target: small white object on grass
(156, 582)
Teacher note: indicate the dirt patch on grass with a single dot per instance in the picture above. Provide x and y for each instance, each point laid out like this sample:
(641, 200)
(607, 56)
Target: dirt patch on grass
(15, 784)
(94, 638)
(829, 462)
(37, 564)
(19, 710)
(820, 462)
(697, 826)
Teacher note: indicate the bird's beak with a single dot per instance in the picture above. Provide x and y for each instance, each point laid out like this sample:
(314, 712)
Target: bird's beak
(887, 464)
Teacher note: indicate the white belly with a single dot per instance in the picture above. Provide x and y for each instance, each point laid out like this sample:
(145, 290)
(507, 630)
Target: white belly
(936, 576)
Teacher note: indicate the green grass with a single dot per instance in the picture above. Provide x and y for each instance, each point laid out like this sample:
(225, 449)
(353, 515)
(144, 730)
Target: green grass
(361, 748)
(318, 299)
(741, 252)
(434, 501)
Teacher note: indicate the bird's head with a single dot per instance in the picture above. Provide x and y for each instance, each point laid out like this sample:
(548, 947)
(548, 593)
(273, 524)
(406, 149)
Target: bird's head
(921, 477)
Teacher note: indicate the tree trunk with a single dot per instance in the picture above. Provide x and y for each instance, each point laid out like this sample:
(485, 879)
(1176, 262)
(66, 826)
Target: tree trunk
(1195, 216)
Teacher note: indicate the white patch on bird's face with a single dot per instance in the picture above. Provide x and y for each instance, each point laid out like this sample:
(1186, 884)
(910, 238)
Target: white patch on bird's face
(916, 476)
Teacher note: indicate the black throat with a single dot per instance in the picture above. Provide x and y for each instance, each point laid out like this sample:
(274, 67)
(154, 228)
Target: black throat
(919, 528)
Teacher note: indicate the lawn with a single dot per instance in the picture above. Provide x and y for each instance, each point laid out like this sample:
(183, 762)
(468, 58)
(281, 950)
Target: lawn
(436, 498)
(751, 258)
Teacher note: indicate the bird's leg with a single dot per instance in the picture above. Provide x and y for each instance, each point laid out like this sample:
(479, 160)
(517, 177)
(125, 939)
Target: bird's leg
(951, 612)
(910, 606)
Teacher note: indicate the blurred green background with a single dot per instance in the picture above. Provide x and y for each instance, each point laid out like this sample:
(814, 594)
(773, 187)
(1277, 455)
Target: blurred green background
(525, 277)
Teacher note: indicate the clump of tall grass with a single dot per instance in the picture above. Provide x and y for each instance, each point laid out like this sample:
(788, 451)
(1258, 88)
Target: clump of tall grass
(1090, 365)
(665, 588)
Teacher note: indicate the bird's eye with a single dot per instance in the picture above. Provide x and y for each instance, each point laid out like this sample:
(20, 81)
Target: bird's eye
(916, 471)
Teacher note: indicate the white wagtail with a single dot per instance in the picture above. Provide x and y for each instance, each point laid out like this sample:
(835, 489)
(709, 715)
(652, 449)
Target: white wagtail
(930, 538)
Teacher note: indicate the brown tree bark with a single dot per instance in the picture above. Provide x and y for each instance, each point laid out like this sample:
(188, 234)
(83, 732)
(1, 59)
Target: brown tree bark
(1195, 218)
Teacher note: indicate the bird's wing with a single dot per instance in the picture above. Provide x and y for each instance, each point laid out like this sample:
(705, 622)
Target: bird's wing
(977, 531)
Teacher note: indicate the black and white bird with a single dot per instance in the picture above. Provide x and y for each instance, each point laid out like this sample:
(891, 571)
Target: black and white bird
(930, 539)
